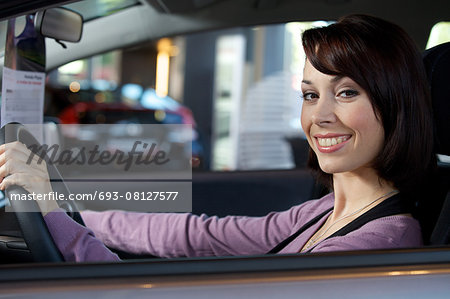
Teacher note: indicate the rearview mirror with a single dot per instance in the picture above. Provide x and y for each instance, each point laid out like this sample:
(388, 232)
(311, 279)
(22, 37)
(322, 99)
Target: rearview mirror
(59, 23)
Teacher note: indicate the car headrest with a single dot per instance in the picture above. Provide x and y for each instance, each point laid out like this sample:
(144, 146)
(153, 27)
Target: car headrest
(437, 64)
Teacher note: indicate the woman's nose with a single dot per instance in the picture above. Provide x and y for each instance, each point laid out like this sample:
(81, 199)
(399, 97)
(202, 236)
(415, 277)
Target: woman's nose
(324, 111)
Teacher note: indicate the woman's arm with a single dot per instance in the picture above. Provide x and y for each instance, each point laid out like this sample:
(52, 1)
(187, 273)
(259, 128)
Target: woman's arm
(174, 235)
(76, 242)
(164, 234)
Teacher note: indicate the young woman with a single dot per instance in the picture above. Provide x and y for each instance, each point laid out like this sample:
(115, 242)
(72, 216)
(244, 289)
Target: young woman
(367, 117)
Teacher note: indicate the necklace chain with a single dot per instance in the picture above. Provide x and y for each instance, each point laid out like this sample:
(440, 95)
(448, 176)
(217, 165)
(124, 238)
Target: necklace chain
(312, 241)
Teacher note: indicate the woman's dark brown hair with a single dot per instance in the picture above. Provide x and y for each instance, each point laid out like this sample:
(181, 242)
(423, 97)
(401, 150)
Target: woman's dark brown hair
(385, 62)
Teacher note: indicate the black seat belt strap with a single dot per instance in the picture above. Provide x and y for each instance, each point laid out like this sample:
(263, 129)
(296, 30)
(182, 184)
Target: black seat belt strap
(289, 239)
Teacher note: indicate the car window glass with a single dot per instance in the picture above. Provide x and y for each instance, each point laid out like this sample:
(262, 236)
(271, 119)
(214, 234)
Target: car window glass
(444, 158)
(242, 86)
(440, 33)
(3, 26)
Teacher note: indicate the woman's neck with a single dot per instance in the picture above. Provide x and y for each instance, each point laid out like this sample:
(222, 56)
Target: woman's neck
(354, 191)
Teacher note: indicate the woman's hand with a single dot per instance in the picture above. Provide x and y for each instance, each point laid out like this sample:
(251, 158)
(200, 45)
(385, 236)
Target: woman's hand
(16, 168)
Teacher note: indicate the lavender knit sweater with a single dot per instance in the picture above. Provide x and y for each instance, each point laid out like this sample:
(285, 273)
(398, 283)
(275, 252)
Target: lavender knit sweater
(175, 235)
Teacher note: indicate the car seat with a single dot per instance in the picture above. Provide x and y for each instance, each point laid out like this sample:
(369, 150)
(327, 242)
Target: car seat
(437, 64)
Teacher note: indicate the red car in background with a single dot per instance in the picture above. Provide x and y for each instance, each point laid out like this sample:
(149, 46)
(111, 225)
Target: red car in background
(164, 111)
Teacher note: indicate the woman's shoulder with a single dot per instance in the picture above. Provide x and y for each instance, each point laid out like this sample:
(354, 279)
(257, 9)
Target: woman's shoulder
(399, 228)
(394, 231)
(397, 231)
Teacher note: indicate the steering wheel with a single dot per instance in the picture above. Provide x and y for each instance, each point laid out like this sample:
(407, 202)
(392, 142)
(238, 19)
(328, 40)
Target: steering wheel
(32, 224)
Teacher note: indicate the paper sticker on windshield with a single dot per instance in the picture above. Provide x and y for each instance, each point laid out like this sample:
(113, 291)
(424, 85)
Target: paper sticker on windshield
(23, 75)
(23, 98)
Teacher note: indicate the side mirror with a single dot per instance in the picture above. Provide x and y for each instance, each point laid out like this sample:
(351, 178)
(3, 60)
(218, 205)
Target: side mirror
(59, 23)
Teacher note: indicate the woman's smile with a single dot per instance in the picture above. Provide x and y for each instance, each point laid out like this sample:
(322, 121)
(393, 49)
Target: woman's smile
(329, 143)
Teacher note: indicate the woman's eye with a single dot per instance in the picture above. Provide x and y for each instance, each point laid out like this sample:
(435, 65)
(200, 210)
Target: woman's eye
(349, 93)
(309, 96)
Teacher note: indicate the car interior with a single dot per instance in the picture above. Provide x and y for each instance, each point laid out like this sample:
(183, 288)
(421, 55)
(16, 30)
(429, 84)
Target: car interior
(26, 247)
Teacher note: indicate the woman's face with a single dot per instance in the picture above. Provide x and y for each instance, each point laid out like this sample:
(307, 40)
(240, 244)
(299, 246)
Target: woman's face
(339, 122)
